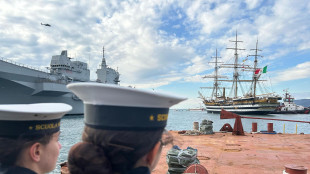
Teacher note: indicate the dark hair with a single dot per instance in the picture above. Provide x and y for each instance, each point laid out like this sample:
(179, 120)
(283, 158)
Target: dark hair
(110, 151)
(11, 147)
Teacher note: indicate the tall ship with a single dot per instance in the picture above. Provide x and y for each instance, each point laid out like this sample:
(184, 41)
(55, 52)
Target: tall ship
(22, 84)
(249, 102)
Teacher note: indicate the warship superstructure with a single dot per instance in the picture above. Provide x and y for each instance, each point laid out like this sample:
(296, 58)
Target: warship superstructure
(247, 103)
(22, 84)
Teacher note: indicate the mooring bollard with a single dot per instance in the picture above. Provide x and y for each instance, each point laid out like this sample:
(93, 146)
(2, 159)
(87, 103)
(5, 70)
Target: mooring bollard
(254, 127)
(196, 126)
(295, 169)
(270, 127)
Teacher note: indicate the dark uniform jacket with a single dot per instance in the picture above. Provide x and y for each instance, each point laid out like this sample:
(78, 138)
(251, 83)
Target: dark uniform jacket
(139, 170)
(18, 170)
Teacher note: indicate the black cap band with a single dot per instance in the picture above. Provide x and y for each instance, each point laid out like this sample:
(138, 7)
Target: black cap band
(125, 118)
(10, 128)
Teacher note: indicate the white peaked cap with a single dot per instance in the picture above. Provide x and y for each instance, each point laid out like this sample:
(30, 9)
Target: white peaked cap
(114, 95)
(31, 119)
(109, 106)
(39, 111)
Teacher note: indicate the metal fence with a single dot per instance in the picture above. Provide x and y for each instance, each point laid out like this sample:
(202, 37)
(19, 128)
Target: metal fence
(23, 65)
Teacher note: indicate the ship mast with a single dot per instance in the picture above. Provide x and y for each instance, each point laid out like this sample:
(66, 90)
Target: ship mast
(255, 76)
(103, 62)
(235, 66)
(215, 88)
(216, 75)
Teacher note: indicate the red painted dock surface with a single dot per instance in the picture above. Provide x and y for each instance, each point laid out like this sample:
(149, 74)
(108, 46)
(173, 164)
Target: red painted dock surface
(224, 153)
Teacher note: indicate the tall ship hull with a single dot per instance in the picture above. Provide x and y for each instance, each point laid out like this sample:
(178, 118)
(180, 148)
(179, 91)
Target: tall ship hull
(21, 84)
(249, 103)
(245, 109)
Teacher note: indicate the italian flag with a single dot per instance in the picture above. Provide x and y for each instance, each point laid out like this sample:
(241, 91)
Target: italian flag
(257, 71)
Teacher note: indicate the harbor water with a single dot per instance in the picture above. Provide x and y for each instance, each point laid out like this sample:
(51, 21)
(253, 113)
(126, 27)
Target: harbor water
(72, 126)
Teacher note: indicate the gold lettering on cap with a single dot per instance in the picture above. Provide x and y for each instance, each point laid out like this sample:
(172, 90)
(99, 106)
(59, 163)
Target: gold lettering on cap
(30, 127)
(47, 126)
(151, 118)
(162, 117)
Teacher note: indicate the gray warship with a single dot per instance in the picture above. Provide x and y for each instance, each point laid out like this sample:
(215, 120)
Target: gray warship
(22, 84)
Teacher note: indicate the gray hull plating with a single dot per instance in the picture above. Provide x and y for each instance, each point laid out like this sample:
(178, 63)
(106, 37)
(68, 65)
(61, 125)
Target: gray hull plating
(14, 93)
(25, 89)
(20, 84)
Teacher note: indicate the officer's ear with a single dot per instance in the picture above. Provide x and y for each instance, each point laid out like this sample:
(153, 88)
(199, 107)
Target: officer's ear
(35, 151)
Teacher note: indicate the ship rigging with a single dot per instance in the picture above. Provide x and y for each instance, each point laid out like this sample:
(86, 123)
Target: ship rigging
(247, 103)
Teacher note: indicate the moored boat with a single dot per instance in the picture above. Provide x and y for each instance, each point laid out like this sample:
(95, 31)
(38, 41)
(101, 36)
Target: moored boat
(289, 107)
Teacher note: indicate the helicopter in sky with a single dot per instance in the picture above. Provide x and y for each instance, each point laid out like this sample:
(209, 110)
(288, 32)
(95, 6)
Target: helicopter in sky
(48, 25)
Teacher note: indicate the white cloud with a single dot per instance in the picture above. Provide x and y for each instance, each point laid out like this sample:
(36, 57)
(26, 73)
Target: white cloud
(278, 53)
(218, 18)
(176, 26)
(195, 78)
(135, 38)
(252, 3)
(198, 65)
(194, 9)
(304, 46)
(301, 71)
(284, 23)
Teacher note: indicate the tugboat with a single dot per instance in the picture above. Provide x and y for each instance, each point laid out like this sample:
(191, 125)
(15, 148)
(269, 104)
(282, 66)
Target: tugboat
(289, 107)
(249, 102)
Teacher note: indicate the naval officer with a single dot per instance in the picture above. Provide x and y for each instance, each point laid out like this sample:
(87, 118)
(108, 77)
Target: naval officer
(29, 137)
(123, 131)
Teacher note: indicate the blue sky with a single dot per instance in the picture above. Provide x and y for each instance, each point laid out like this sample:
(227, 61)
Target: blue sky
(164, 45)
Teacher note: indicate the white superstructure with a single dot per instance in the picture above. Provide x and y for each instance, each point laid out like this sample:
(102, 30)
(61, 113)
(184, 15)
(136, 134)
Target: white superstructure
(289, 106)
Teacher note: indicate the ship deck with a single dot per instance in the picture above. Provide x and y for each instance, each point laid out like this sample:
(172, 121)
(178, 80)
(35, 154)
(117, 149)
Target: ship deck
(252, 153)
